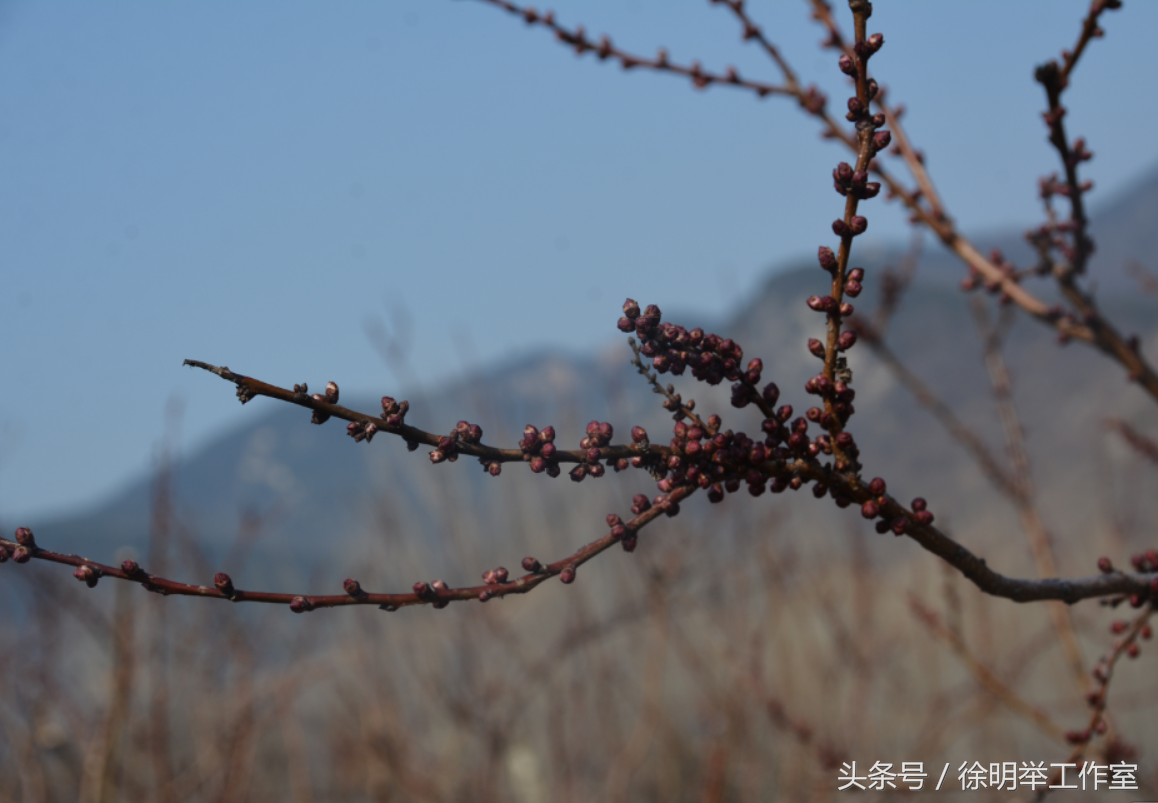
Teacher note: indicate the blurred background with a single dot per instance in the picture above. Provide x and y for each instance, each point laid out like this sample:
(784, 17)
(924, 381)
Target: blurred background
(429, 200)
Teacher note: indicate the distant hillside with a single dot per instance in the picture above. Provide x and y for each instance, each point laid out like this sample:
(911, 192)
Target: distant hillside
(315, 487)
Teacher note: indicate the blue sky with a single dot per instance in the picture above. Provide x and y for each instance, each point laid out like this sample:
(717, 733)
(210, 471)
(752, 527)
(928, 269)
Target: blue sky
(248, 183)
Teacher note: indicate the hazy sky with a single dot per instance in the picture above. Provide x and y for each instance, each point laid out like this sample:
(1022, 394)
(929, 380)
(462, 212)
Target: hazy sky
(248, 183)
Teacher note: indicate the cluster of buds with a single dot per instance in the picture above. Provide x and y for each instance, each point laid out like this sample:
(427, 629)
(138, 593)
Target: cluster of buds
(725, 459)
(539, 449)
(899, 525)
(330, 396)
(362, 430)
(854, 182)
(87, 574)
(838, 393)
(464, 432)
(495, 577)
(1144, 562)
(673, 349)
(25, 547)
(829, 305)
(598, 435)
(429, 592)
(394, 411)
(620, 531)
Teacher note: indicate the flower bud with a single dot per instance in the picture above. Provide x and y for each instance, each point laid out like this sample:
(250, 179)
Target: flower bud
(567, 576)
(840, 228)
(858, 225)
(89, 575)
(332, 392)
(301, 605)
(847, 340)
(822, 303)
(827, 258)
(881, 140)
(531, 565)
(24, 537)
(353, 588)
(847, 66)
(852, 288)
(22, 554)
(224, 583)
(319, 416)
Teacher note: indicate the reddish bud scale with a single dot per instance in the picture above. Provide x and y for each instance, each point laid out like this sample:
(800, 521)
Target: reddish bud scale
(567, 576)
(301, 605)
(353, 588)
(87, 575)
(531, 565)
(224, 583)
(24, 537)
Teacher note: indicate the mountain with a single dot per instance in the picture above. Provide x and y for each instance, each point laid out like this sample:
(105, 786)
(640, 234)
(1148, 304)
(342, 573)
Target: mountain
(316, 491)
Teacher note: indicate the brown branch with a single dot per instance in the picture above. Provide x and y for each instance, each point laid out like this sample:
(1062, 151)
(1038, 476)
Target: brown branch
(1139, 442)
(577, 38)
(984, 676)
(1031, 520)
(438, 593)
